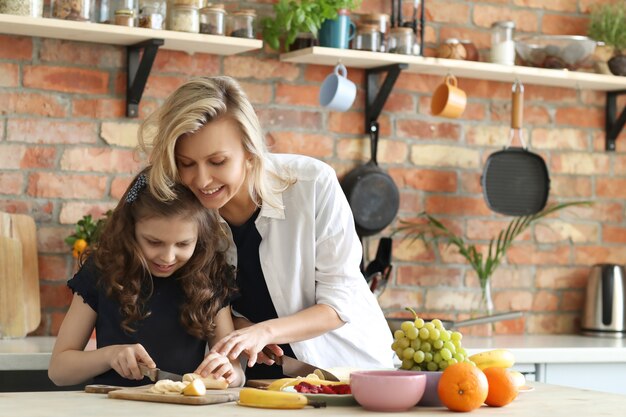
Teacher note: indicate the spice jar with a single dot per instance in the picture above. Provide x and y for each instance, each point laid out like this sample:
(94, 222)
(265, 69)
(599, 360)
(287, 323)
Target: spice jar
(185, 18)
(242, 24)
(124, 17)
(81, 10)
(152, 15)
(401, 41)
(367, 38)
(213, 20)
(502, 43)
(123, 6)
(381, 21)
(32, 8)
(451, 49)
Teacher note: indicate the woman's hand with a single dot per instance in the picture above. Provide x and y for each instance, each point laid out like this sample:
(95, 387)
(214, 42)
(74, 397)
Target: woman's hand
(218, 365)
(124, 360)
(249, 340)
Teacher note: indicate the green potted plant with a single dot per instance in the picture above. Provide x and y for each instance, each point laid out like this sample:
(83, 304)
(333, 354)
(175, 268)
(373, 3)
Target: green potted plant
(429, 229)
(607, 24)
(292, 19)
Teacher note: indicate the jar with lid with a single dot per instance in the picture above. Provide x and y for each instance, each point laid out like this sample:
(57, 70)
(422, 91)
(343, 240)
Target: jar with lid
(152, 14)
(451, 49)
(185, 18)
(402, 41)
(213, 20)
(242, 24)
(32, 8)
(124, 17)
(502, 43)
(81, 10)
(381, 21)
(367, 38)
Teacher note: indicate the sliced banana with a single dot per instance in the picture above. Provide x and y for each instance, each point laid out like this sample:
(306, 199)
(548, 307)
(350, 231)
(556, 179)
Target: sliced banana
(209, 381)
(167, 386)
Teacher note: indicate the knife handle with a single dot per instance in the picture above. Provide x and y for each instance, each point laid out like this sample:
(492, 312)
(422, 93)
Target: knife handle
(101, 389)
(151, 373)
(268, 352)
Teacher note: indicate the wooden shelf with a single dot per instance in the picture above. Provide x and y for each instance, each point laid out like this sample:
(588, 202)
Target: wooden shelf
(120, 35)
(467, 69)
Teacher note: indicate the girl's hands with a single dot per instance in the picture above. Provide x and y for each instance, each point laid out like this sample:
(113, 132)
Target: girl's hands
(249, 340)
(217, 365)
(124, 360)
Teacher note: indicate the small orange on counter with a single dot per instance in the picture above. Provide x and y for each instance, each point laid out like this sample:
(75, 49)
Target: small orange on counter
(502, 387)
(462, 387)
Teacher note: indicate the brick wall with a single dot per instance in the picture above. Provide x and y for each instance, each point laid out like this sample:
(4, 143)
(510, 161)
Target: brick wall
(66, 150)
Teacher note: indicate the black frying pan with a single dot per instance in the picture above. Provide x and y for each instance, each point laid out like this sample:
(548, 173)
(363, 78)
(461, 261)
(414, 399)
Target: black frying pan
(372, 194)
(515, 181)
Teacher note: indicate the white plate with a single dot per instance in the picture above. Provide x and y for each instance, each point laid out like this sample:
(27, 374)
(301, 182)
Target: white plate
(329, 399)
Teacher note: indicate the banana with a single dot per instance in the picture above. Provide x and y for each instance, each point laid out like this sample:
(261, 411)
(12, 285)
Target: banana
(500, 358)
(252, 397)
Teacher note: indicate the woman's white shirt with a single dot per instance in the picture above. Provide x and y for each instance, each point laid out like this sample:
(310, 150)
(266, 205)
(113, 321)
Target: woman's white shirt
(310, 254)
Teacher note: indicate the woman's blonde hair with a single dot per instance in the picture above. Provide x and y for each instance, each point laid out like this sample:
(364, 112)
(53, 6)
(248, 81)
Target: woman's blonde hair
(193, 105)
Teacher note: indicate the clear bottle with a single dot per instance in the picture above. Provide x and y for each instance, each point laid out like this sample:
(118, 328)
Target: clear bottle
(185, 18)
(81, 10)
(502, 43)
(402, 41)
(367, 38)
(152, 14)
(242, 24)
(213, 20)
(32, 8)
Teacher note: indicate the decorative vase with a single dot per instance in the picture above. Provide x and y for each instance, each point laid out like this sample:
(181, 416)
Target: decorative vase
(484, 308)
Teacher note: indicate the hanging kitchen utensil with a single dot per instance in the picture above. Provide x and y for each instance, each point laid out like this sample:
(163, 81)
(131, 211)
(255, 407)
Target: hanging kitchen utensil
(515, 181)
(382, 259)
(373, 196)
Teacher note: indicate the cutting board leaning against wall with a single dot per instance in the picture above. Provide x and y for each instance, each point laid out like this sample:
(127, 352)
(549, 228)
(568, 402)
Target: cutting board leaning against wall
(20, 311)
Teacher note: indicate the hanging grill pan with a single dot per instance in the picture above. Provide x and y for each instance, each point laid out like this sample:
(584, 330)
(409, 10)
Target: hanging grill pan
(515, 181)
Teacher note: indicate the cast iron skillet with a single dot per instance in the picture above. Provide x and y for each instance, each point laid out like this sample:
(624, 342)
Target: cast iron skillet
(372, 194)
(515, 181)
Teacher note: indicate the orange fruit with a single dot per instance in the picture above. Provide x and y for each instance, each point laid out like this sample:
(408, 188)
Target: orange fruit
(502, 387)
(79, 247)
(462, 387)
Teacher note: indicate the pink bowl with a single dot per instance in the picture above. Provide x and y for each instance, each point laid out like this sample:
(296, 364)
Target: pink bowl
(387, 390)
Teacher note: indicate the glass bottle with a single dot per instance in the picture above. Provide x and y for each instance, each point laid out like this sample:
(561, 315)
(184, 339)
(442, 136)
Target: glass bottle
(242, 24)
(213, 20)
(381, 21)
(185, 18)
(367, 38)
(502, 43)
(402, 41)
(81, 10)
(152, 14)
(32, 8)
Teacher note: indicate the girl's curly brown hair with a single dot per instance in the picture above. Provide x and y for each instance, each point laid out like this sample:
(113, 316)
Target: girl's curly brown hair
(207, 279)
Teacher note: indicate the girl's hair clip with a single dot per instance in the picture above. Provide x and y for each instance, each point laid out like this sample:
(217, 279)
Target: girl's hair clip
(134, 191)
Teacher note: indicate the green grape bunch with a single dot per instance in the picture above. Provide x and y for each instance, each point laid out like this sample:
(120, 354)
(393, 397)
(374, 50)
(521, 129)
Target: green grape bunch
(427, 346)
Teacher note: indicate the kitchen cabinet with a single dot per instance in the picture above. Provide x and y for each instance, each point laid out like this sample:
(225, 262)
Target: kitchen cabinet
(135, 39)
(370, 61)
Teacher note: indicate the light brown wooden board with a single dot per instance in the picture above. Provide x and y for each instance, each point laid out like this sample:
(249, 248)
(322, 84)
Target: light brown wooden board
(142, 394)
(259, 383)
(23, 228)
(12, 312)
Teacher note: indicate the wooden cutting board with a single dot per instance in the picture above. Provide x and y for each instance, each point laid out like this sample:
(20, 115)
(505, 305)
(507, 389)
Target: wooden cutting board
(12, 312)
(142, 394)
(259, 383)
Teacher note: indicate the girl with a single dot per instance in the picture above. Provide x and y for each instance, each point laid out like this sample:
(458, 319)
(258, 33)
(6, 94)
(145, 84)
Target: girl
(293, 232)
(156, 289)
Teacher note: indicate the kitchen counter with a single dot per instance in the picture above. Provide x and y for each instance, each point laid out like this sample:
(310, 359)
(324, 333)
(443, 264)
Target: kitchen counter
(551, 400)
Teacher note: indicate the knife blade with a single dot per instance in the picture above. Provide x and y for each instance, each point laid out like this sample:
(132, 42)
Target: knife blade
(295, 367)
(155, 374)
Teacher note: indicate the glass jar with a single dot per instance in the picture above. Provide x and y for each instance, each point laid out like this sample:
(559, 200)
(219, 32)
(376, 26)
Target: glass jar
(242, 24)
(451, 49)
(381, 21)
(32, 8)
(185, 18)
(152, 15)
(213, 20)
(123, 6)
(367, 38)
(502, 43)
(81, 10)
(402, 41)
(124, 17)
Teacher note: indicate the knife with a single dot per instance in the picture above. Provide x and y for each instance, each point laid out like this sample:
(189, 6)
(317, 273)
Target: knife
(155, 374)
(295, 367)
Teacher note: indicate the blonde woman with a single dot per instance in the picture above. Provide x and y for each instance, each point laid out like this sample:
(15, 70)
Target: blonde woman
(293, 238)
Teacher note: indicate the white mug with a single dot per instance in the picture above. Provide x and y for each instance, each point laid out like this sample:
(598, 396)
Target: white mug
(337, 91)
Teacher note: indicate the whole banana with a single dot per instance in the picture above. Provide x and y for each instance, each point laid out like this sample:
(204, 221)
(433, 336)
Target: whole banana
(252, 397)
(500, 358)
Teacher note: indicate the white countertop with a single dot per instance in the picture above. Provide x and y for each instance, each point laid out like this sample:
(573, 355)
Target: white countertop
(33, 353)
(545, 400)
